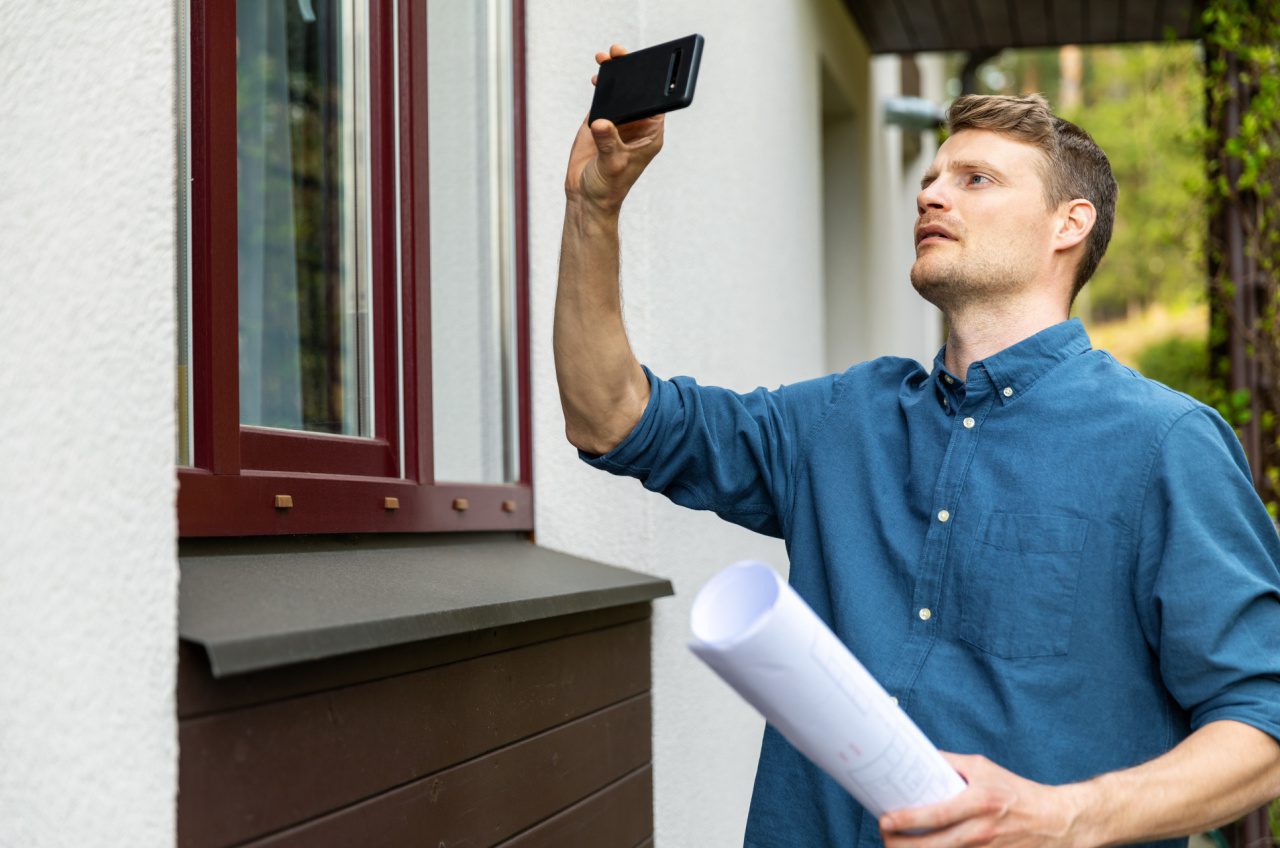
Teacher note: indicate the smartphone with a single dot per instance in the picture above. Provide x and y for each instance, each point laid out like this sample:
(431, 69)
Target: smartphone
(648, 82)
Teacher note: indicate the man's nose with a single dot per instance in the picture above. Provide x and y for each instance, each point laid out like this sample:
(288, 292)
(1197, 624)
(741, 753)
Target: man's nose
(932, 196)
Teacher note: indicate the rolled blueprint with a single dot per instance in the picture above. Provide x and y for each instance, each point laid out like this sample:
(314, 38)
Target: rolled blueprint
(756, 633)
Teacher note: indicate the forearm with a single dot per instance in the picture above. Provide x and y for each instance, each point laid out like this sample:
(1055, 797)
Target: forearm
(603, 390)
(1220, 772)
(1214, 776)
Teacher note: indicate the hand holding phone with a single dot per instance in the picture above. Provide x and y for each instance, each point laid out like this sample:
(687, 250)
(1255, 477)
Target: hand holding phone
(648, 82)
(625, 128)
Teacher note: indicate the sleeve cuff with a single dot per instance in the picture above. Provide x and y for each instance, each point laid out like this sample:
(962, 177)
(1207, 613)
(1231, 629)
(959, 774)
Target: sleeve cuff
(626, 452)
(1268, 724)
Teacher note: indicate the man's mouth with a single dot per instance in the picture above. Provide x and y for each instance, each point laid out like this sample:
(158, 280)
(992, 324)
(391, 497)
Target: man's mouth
(933, 233)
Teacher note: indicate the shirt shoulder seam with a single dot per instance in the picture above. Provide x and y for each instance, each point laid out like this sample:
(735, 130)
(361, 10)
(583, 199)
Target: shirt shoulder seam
(802, 450)
(1157, 449)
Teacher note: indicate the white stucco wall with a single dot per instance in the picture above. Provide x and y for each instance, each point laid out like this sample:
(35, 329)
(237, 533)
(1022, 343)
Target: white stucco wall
(88, 572)
(893, 186)
(723, 276)
(722, 279)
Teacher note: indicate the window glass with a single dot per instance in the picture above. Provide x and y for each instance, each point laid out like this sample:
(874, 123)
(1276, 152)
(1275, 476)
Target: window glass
(302, 211)
(470, 138)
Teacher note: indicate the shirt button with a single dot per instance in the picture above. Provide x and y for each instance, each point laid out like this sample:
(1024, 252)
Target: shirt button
(925, 613)
(894, 698)
(944, 516)
(968, 423)
(947, 377)
(1008, 392)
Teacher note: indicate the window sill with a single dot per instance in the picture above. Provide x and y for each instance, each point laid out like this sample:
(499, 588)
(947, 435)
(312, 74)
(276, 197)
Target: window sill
(256, 604)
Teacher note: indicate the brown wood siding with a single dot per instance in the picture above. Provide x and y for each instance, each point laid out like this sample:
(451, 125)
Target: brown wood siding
(611, 818)
(467, 740)
(200, 693)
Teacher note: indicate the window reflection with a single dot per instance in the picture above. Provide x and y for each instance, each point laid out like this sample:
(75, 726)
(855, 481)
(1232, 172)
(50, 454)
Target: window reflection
(470, 136)
(304, 283)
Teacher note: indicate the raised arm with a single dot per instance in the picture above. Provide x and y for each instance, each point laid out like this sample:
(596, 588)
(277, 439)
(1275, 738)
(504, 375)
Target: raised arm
(603, 390)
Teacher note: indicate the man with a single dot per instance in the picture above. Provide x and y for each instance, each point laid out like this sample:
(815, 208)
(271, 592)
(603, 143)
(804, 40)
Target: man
(1047, 559)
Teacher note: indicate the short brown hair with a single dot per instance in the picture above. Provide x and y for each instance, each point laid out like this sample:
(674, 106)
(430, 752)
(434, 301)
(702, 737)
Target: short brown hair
(1074, 164)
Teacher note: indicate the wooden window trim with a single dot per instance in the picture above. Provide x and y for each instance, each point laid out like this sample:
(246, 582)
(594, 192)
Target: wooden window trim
(336, 484)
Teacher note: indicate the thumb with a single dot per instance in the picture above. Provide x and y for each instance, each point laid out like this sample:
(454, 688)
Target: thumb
(606, 136)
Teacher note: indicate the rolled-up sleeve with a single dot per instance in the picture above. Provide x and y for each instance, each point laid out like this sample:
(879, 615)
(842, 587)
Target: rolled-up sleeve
(1209, 577)
(710, 448)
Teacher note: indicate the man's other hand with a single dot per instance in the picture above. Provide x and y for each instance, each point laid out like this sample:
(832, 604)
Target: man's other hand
(998, 808)
(606, 159)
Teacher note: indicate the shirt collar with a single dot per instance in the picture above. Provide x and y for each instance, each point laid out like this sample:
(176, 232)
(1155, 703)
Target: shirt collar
(1015, 369)
(948, 387)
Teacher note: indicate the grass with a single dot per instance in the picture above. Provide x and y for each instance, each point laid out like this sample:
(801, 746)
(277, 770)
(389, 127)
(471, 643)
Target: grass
(1127, 338)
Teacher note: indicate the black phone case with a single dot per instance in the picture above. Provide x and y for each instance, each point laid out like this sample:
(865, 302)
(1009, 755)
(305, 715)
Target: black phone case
(648, 82)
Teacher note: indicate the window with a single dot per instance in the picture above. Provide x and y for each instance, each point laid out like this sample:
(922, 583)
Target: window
(353, 354)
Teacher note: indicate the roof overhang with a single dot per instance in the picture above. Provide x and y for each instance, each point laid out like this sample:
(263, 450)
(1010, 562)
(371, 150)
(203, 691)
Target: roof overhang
(917, 26)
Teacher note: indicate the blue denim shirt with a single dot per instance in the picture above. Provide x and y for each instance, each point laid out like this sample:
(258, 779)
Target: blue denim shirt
(1056, 563)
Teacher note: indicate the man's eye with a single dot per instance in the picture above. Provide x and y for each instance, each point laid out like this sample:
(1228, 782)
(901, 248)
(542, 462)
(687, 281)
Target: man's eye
(973, 178)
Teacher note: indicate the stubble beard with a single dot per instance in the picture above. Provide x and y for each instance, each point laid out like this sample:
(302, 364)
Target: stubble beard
(960, 283)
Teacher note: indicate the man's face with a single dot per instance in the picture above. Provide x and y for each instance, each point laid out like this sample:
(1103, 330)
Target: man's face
(983, 232)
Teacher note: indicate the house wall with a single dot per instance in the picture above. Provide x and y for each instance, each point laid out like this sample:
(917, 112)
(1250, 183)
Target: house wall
(723, 270)
(88, 566)
(722, 267)
(905, 324)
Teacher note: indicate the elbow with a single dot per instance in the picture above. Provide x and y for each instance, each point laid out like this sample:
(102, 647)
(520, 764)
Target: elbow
(1273, 773)
(589, 442)
(602, 425)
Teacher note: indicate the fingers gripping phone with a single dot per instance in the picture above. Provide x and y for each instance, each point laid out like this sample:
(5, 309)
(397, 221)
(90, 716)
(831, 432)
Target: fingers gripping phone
(648, 82)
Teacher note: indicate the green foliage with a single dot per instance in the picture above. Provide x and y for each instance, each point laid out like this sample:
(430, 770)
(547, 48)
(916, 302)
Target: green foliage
(1142, 105)
(1242, 143)
(1182, 363)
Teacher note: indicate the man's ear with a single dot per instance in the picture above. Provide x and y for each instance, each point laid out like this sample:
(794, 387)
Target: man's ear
(1075, 222)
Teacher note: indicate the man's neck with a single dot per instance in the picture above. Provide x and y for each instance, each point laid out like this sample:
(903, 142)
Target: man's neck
(976, 333)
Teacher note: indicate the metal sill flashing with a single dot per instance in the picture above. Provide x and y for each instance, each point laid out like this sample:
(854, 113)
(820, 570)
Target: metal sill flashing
(255, 604)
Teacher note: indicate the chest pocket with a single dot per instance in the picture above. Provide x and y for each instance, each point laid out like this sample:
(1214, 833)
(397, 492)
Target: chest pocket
(1018, 588)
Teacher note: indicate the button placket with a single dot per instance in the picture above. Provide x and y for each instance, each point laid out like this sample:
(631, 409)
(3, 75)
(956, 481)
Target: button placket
(947, 502)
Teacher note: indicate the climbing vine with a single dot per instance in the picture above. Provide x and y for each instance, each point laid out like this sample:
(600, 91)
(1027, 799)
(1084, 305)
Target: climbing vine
(1242, 143)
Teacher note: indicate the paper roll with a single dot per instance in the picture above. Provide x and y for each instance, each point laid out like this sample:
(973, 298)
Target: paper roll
(754, 631)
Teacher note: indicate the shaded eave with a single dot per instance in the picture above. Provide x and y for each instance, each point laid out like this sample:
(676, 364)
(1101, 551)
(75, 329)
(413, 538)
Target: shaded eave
(916, 26)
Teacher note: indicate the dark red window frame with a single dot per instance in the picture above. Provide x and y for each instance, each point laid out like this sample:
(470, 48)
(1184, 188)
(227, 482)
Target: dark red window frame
(336, 484)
